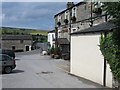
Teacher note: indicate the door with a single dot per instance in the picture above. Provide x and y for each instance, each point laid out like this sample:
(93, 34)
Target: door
(13, 47)
(27, 48)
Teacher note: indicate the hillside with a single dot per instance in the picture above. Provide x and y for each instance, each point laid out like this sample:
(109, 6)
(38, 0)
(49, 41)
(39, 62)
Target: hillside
(15, 31)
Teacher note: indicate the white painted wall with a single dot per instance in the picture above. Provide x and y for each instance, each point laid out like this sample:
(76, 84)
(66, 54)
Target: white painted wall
(50, 38)
(87, 60)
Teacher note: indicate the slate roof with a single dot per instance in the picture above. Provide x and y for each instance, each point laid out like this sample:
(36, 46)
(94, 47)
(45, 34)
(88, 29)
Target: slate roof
(16, 37)
(69, 8)
(63, 41)
(106, 26)
(51, 31)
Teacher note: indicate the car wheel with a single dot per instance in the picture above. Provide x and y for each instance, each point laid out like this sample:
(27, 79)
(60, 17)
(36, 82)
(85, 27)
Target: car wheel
(8, 70)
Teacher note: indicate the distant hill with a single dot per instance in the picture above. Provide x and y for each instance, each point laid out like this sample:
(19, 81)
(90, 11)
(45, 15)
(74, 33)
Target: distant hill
(15, 31)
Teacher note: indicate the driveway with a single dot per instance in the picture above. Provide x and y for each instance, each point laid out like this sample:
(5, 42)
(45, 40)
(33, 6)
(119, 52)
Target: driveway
(37, 71)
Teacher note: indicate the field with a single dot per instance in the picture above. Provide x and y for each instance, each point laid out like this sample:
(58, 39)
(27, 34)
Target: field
(16, 31)
(35, 32)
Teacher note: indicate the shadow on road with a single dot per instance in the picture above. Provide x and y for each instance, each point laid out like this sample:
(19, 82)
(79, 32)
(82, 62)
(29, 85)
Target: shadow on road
(16, 71)
(13, 72)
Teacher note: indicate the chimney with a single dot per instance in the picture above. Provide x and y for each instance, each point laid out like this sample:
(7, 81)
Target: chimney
(70, 4)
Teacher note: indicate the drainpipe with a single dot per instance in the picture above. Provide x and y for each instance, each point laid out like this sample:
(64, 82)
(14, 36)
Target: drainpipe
(56, 37)
(70, 30)
(105, 62)
(91, 15)
(104, 74)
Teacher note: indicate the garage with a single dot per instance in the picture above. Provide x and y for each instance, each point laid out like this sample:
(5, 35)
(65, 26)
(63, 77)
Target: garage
(87, 60)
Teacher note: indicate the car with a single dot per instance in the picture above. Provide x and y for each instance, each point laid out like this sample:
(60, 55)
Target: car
(8, 52)
(7, 63)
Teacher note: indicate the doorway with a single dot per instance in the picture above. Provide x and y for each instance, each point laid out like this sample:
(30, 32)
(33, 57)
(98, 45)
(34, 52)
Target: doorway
(13, 47)
(27, 48)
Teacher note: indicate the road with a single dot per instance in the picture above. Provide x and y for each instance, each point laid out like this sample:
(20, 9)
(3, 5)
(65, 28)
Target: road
(35, 70)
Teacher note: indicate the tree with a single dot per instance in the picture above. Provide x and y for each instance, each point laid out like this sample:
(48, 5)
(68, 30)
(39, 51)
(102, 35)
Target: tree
(113, 9)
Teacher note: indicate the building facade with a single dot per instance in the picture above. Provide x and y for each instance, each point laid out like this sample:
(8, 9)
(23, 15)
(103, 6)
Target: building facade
(86, 59)
(17, 42)
(51, 38)
(77, 17)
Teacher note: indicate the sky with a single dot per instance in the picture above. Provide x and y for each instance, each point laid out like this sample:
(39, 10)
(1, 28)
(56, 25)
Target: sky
(31, 15)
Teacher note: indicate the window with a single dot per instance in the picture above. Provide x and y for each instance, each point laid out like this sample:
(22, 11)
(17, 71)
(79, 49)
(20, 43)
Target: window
(67, 15)
(85, 7)
(74, 29)
(59, 18)
(74, 11)
(53, 37)
(6, 57)
(21, 41)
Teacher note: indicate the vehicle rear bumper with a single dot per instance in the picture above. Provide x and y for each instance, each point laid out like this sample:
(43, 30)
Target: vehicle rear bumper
(13, 66)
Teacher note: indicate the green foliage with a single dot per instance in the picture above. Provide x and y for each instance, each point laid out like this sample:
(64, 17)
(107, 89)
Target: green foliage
(113, 9)
(110, 45)
(97, 11)
(52, 50)
(57, 51)
(110, 48)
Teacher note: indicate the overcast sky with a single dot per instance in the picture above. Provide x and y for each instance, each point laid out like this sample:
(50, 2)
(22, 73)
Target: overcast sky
(39, 15)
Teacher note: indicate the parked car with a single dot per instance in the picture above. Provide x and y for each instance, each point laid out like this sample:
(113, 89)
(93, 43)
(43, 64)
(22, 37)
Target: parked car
(8, 52)
(7, 63)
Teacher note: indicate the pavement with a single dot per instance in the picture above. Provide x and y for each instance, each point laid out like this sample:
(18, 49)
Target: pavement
(35, 70)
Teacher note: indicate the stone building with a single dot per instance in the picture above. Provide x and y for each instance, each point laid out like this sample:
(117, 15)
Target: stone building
(16, 42)
(77, 17)
(85, 22)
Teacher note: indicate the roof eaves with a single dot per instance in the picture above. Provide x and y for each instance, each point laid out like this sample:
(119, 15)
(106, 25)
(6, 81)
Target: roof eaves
(69, 8)
(51, 31)
(89, 30)
(101, 31)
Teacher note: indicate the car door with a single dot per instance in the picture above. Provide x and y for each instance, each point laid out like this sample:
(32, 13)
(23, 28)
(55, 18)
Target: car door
(6, 61)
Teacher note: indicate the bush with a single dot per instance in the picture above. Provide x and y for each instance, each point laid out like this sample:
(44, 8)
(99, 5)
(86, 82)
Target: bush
(52, 50)
(110, 48)
(97, 11)
(57, 51)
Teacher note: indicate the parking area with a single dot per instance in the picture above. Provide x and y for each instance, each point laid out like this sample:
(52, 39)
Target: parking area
(35, 70)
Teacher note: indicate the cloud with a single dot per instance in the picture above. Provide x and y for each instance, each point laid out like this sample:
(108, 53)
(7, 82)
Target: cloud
(39, 1)
(31, 14)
